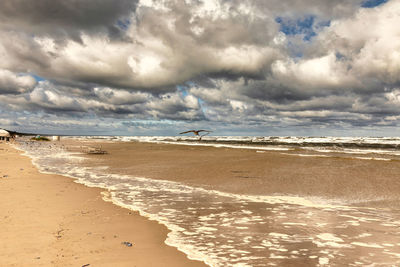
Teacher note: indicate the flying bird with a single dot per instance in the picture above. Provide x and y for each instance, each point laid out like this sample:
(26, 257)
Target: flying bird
(197, 132)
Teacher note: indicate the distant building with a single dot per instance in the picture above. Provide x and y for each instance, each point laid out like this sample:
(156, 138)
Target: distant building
(56, 138)
(4, 135)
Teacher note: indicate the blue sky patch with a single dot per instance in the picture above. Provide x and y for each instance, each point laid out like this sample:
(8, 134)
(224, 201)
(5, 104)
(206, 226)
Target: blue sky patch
(339, 56)
(202, 105)
(373, 3)
(303, 26)
(182, 90)
(124, 24)
(37, 78)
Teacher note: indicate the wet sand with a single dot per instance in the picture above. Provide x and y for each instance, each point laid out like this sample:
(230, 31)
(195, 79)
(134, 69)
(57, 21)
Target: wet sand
(342, 179)
(361, 231)
(48, 220)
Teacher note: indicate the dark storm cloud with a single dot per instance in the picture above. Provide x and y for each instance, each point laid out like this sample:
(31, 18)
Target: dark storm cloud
(48, 98)
(69, 17)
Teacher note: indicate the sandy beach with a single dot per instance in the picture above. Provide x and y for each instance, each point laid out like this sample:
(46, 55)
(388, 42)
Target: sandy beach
(223, 206)
(48, 220)
(200, 133)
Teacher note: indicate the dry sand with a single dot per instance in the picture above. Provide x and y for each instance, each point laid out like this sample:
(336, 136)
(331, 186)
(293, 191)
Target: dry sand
(48, 220)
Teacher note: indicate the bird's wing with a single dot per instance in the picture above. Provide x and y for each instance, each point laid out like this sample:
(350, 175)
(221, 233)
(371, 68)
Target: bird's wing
(204, 131)
(191, 131)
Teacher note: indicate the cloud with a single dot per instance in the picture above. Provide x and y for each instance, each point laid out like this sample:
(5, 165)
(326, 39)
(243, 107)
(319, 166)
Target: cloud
(313, 74)
(284, 64)
(49, 98)
(11, 83)
(165, 43)
(65, 18)
(120, 97)
(372, 52)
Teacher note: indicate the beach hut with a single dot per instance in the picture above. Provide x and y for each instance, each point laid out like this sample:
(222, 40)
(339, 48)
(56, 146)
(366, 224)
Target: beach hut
(56, 138)
(4, 135)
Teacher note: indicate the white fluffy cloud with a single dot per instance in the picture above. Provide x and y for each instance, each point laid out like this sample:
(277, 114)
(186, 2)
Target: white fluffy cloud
(369, 42)
(11, 83)
(314, 74)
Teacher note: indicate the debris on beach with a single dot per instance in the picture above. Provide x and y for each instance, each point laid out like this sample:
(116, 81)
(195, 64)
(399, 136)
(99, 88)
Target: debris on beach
(93, 150)
(40, 138)
(128, 244)
(59, 233)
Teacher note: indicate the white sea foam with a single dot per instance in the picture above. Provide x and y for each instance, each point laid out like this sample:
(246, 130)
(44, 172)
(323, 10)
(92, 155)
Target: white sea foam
(259, 148)
(294, 224)
(373, 158)
(395, 141)
(306, 155)
(369, 245)
(329, 237)
(323, 261)
(364, 235)
(393, 254)
(331, 244)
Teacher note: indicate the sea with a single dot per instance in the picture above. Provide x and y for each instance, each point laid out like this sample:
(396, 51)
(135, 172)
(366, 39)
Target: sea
(227, 229)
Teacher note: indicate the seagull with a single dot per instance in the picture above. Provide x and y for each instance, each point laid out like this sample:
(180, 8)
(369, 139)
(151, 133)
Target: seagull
(196, 132)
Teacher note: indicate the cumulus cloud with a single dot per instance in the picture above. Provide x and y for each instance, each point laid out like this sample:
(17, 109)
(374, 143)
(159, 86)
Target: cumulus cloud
(120, 97)
(313, 74)
(11, 83)
(166, 43)
(253, 63)
(373, 51)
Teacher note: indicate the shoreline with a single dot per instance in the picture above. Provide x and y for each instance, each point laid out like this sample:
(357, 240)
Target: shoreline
(330, 179)
(54, 221)
(224, 205)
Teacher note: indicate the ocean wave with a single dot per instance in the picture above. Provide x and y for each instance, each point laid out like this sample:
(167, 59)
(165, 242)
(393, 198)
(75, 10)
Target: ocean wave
(350, 145)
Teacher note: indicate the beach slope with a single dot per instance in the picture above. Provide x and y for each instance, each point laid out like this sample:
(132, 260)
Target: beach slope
(48, 220)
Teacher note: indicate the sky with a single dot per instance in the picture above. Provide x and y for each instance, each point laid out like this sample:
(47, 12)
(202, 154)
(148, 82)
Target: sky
(236, 67)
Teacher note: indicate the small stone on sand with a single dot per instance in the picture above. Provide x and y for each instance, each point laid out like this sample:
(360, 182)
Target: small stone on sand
(128, 244)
